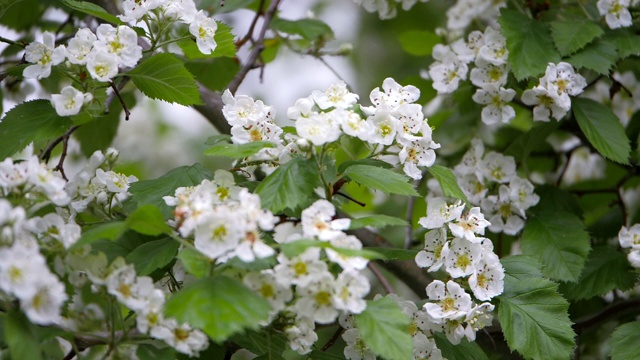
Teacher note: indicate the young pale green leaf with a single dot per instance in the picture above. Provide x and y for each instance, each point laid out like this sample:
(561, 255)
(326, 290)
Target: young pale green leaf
(164, 77)
(377, 178)
(521, 267)
(624, 342)
(309, 29)
(385, 329)
(377, 221)
(93, 10)
(603, 129)
(225, 45)
(627, 43)
(238, 151)
(598, 56)
(529, 44)
(418, 42)
(448, 182)
(152, 191)
(148, 220)
(109, 231)
(220, 306)
(559, 241)
(31, 121)
(20, 337)
(290, 186)
(572, 35)
(194, 262)
(534, 317)
(153, 255)
(464, 351)
(396, 253)
(606, 269)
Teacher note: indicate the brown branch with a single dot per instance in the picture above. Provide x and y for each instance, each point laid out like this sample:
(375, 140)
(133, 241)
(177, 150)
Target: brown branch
(212, 110)
(46, 155)
(607, 314)
(257, 48)
(63, 155)
(124, 106)
(249, 35)
(333, 339)
(381, 278)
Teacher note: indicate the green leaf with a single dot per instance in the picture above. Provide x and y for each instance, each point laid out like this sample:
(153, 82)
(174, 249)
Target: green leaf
(194, 262)
(370, 162)
(464, 351)
(220, 306)
(148, 220)
(264, 342)
(572, 35)
(385, 329)
(377, 178)
(31, 121)
(153, 255)
(14, 16)
(599, 56)
(418, 43)
(164, 77)
(448, 182)
(290, 186)
(529, 44)
(309, 29)
(238, 151)
(627, 43)
(215, 74)
(212, 140)
(377, 221)
(109, 231)
(559, 241)
(151, 352)
(397, 253)
(603, 129)
(225, 45)
(624, 342)
(20, 337)
(93, 10)
(295, 248)
(521, 267)
(534, 319)
(606, 269)
(152, 191)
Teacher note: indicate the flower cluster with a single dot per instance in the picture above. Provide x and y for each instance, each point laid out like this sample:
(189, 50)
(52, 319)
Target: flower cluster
(489, 53)
(31, 179)
(490, 181)
(464, 12)
(629, 238)
(551, 96)
(386, 9)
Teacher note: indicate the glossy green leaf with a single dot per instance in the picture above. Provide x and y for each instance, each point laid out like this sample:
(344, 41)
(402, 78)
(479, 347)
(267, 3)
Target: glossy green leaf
(93, 10)
(238, 151)
(559, 241)
(534, 318)
(164, 77)
(464, 351)
(148, 220)
(377, 221)
(448, 182)
(521, 267)
(20, 337)
(151, 191)
(31, 121)
(603, 129)
(194, 262)
(377, 178)
(418, 42)
(153, 255)
(108, 231)
(290, 186)
(606, 269)
(599, 56)
(215, 74)
(385, 329)
(572, 35)
(529, 44)
(220, 306)
(625, 340)
(309, 29)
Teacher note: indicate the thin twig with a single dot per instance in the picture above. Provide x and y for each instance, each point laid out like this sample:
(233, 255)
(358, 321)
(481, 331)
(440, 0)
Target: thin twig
(350, 198)
(333, 339)
(408, 231)
(63, 156)
(121, 85)
(249, 35)
(124, 106)
(46, 155)
(257, 48)
(381, 278)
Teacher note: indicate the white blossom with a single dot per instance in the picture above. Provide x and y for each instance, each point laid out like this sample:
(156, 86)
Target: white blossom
(336, 96)
(616, 12)
(496, 100)
(448, 301)
(68, 102)
(204, 29)
(42, 55)
(436, 249)
(81, 45)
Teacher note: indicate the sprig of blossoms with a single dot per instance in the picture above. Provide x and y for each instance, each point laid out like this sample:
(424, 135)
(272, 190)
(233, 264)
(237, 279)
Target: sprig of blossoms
(629, 238)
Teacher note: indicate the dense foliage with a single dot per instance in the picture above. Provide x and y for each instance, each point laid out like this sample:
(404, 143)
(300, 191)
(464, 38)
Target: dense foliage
(479, 202)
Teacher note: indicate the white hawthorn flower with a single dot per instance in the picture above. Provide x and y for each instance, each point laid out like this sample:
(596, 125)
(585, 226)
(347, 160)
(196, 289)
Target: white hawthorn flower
(467, 51)
(385, 126)
(44, 305)
(102, 65)
(353, 125)
(218, 233)
(447, 72)
(344, 241)
(204, 29)
(419, 152)
(181, 337)
(463, 257)
(319, 128)
(499, 168)
(394, 94)
(336, 96)
(616, 12)
(301, 335)
(547, 104)
(439, 213)
(43, 55)
(121, 41)
(266, 284)
(496, 100)
(316, 299)
(115, 182)
(355, 348)
(630, 237)
(436, 249)
(449, 301)
(487, 279)
(80, 46)
(494, 50)
(486, 73)
(317, 221)
(469, 225)
(350, 288)
(301, 269)
(243, 110)
(561, 80)
(69, 101)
